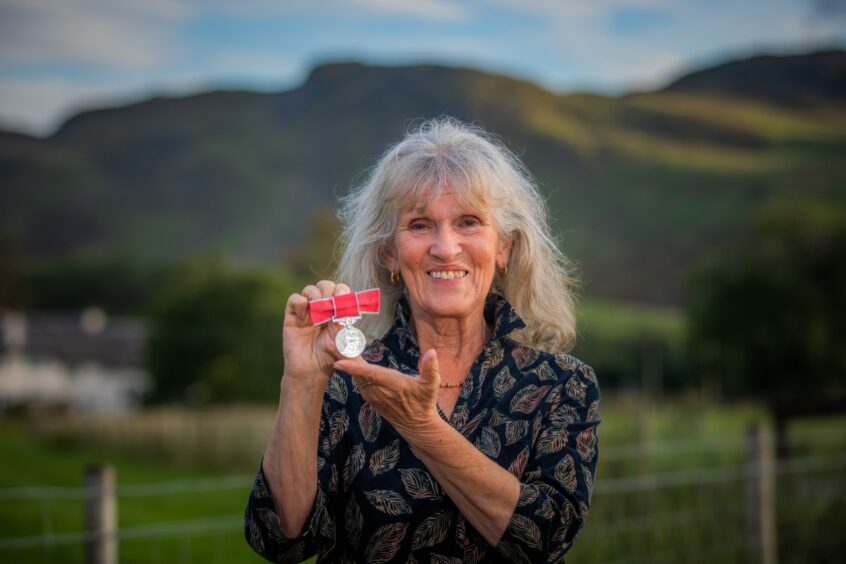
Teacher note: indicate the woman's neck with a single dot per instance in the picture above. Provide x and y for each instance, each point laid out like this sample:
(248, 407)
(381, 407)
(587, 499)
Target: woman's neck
(456, 340)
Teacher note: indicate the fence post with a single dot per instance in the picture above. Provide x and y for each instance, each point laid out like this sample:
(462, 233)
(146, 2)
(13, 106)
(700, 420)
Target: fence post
(100, 515)
(760, 495)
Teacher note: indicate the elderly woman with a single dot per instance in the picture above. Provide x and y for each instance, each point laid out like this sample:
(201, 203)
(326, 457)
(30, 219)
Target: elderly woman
(464, 434)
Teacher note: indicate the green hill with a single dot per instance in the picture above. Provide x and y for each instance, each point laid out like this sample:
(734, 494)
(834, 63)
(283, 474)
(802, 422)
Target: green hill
(641, 186)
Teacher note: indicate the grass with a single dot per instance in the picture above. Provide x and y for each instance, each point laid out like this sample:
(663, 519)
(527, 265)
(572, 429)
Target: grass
(680, 523)
(615, 320)
(30, 461)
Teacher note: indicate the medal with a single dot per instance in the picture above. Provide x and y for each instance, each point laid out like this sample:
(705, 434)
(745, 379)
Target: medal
(350, 341)
(346, 309)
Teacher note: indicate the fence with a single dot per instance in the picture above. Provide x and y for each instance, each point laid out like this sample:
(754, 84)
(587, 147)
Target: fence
(729, 510)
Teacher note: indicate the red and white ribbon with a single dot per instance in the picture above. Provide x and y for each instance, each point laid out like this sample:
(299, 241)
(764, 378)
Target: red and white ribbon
(344, 306)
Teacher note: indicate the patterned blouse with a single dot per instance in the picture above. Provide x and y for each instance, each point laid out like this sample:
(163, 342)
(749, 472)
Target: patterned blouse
(532, 412)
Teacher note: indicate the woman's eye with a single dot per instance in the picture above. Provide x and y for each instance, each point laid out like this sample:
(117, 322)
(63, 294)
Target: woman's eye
(417, 225)
(470, 222)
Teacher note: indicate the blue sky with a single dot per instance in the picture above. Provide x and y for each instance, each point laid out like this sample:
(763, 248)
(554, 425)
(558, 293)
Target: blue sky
(59, 56)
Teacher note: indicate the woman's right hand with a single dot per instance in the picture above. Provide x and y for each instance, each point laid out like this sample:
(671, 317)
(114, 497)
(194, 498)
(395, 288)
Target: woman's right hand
(310, 350)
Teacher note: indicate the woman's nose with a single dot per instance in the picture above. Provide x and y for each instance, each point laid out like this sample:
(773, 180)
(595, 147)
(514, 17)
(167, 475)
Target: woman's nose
(446, 244)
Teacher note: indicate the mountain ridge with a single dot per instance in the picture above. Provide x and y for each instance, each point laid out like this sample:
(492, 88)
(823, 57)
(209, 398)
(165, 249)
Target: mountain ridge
(649, 183)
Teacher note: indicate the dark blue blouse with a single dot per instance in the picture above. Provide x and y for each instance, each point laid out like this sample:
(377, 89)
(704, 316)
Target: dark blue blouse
(532, 412)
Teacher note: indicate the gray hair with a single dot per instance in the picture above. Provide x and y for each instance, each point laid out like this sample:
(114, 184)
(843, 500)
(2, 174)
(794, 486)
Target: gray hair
(446, 153)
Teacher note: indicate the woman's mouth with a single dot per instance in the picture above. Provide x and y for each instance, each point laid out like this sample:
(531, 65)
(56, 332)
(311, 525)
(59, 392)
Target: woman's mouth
(447, 274)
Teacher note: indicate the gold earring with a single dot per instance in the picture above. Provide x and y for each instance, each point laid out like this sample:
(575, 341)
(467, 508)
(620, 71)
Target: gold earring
(503, 271)
(395, 279)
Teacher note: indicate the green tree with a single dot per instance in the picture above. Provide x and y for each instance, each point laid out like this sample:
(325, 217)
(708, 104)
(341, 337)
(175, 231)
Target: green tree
(771, 323)
(215, 335)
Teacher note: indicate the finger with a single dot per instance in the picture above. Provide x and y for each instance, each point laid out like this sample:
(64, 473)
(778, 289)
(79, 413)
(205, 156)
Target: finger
(428, 367)
(342, 289)
(298, 306)
(312, 292)
(327, 288)
(364, 371)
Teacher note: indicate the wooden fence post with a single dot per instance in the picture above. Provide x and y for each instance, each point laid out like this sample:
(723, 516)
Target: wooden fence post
(101, 545)
(760, 495)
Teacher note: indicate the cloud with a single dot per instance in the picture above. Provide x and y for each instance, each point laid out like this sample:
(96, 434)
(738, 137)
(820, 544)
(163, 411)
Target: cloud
(436, 10)
(119, 34)
(829, 8)
(37, 106)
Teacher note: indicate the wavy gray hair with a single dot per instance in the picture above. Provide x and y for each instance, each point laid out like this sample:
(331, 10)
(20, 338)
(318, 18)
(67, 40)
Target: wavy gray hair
(483, 174)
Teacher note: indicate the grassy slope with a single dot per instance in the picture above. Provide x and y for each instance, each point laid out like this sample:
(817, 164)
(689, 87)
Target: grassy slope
(613, 530)
(29, 462)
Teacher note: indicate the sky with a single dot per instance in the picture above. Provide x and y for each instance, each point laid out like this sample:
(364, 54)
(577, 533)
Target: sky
(58, 57)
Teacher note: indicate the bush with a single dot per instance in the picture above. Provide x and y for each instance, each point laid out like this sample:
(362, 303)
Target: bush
(215, 335)
(772, 324)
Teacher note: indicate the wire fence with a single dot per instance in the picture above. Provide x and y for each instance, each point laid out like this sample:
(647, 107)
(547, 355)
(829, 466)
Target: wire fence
(698, 513)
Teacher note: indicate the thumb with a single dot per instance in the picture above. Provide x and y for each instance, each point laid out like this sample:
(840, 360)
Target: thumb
(428, 369)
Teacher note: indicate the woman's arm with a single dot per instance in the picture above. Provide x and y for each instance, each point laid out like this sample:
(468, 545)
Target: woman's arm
(286, 492)
(290, 461)
(525, 520)
(485, 492)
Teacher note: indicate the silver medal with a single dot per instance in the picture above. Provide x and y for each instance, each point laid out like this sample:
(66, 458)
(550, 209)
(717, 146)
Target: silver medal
(350, 341)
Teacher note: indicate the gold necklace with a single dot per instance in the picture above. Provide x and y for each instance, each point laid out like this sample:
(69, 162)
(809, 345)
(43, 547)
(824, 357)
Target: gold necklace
(452, 384)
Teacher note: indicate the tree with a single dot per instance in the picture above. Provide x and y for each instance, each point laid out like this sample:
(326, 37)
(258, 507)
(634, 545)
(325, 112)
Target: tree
(771, 324)
(215, 335)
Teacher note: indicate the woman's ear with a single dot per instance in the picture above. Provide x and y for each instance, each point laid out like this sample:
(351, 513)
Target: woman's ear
(504, 252)
(389, 258)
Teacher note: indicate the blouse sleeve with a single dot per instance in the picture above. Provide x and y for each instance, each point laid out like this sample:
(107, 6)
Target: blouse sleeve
(556, 488)
(261, 522)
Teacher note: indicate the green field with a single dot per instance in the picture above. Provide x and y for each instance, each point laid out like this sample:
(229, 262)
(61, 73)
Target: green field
(36, 462)
(636, 515)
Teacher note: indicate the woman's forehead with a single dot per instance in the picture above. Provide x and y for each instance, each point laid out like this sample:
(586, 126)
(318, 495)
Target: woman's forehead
(422, 203)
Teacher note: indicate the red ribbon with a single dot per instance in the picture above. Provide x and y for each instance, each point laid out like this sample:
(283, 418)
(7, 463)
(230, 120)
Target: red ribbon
(344, 305)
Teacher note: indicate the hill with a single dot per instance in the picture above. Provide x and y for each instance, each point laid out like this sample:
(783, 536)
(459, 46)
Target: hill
(641, 186)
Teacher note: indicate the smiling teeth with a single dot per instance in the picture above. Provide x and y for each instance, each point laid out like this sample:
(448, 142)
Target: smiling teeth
(448, 274)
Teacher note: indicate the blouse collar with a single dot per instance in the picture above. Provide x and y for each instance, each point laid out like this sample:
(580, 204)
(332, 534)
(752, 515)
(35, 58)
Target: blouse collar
(498, 313)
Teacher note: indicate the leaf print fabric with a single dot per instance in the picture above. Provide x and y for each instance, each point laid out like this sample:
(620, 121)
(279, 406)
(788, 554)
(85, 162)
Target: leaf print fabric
(533, 413)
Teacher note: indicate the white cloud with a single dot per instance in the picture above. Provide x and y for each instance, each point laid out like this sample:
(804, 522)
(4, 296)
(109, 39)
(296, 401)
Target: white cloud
(122, 34)
(36, 107)
(439, 10)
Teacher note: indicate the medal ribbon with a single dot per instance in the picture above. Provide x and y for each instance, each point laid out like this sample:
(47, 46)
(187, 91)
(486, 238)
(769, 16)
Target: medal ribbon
(344, 305)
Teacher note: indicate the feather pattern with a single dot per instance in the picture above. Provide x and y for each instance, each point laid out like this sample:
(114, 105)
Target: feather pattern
(419, 483)
(525, 529)
(337, 389)
(515, 431)
(385, 543)
(489, 443)
(565, 473)
(369, 421)
(432, 530)
(467, 428)
(524, 356)
(503, 382)
(518, 465)
(586, 443)
(576, 389)
(354, 463)
(528, 398)
(546, 373)
(528, 494)
(385, 458)
(339, 422)
(353, 521)
(387, 501)
(552, 440)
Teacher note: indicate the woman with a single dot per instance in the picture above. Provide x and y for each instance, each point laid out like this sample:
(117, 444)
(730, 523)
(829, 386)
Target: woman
(463, 434)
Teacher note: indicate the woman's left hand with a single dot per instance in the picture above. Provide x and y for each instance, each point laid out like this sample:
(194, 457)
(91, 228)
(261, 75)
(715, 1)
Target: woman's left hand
(408, 403)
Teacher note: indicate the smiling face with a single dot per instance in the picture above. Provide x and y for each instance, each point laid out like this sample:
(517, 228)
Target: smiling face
(447, 256)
